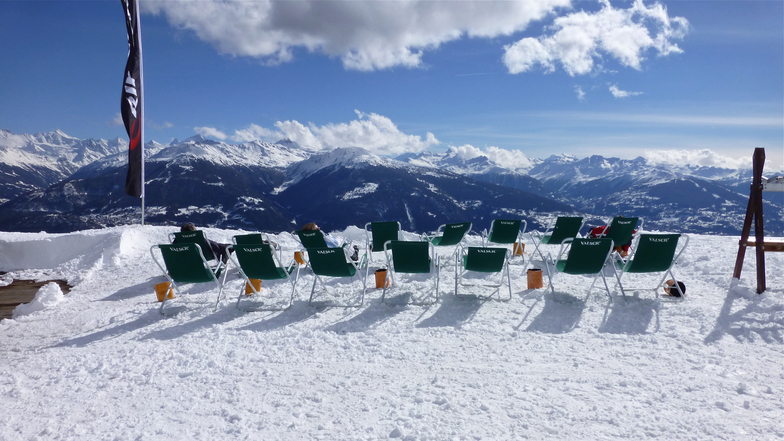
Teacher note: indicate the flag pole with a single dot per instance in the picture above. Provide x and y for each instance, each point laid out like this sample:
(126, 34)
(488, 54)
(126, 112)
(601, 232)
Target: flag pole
(141, 96)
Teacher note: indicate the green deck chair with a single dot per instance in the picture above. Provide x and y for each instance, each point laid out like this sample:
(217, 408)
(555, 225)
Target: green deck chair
(621, 229)
(184, 263)
(200, 239)
(415, 257)
(585, 257)
(653, 253)
(257, 238)
(257, 261)
(311, 239)
(377, 234)
(505, 232)
(450, 235)
(333, 262)
(565, 227)
(484, 260)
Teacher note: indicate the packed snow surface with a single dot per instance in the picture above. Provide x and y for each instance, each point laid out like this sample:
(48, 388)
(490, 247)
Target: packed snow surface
(103, 363)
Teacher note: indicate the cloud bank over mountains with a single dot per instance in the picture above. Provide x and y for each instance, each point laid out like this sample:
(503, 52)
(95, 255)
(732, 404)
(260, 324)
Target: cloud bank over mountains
(376, 35)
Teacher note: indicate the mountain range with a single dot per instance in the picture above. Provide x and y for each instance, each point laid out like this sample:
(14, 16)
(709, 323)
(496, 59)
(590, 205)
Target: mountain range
(56, 183)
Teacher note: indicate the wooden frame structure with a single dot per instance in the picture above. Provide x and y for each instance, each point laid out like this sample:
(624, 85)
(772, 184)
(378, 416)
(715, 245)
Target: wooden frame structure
(754, 213)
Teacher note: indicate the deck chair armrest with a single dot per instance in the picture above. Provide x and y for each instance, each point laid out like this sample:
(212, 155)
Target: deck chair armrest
(525, 227)
(678, 255)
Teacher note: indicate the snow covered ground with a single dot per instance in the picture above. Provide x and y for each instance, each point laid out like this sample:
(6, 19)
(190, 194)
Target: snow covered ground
(102, 363)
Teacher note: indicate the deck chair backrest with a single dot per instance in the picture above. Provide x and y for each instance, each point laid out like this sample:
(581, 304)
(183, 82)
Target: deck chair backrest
(185, 264)
(654, 253)
(587, 256)
(312, 239)
(257, 262)
(381, 232)
(621, 230)
(196, 237)
(504, 230)
(485, 259)
(409, 257)
(453, 234)
(252, 238)
(566, 227)
(330, 262)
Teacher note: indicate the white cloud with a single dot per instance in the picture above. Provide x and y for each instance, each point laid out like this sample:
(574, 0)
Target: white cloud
(580, 37)
(366, 35)
(618, 93)
(373, 132)
(580, 93)
(702, 157)
(117, 120)
(210, 132)
(254, 132)
(511, 159)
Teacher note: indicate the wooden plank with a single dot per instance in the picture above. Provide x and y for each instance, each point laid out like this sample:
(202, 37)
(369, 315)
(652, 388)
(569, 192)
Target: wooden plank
(767, 246)
(22, 291)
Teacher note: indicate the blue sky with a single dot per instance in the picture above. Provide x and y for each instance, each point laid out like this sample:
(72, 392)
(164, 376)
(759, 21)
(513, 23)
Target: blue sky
(693, 81)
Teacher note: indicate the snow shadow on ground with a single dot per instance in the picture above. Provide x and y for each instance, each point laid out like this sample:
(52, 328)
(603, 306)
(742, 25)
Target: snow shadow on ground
(373, 315)
(147, 287)
(452, 312)
(110, 332)
(630, 316)
(557, 317)
(754, 315)
(299, 312)
(208, 320)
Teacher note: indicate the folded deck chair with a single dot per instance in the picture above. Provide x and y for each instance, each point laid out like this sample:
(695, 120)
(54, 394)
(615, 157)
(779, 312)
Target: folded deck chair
(200, 239)
(257, 238)
(506, 232)
(585, 257)
(565, 227)
(485, 260)
(185, 263)
(257, 261)
(377, 234)
(451, 235)
(333, 262)
(416, 257)
(653, 253)
(622, 229)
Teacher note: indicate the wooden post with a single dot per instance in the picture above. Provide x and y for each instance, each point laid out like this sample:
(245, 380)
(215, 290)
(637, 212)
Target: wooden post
(754, 212)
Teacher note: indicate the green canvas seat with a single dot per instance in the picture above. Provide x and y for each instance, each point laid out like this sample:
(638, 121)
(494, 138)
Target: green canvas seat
(505, 232)
(653, 253)
(415, 257)
(484, 260)
(257, 261)
(200, 239)
(377, 234)
(333, 262)
(583, 257)
(450, 234)
(565, 227)
(622, 229)
(257, 238)
(184, 263)
(311, 239)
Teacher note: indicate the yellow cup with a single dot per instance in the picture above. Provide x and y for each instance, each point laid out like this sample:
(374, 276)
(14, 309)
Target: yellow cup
(381, 276)
(160, 291)
(519, 247)
(299, 258)
(535, 278)
(256, 284)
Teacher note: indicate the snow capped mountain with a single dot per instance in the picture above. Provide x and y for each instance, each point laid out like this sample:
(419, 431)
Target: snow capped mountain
(55, 182)
(30, 162)
(351, 157)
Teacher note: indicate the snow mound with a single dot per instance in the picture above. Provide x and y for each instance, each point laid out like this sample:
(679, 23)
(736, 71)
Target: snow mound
(48, 296)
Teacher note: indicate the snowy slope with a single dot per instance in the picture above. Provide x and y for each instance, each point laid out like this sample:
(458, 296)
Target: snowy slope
(103, 364)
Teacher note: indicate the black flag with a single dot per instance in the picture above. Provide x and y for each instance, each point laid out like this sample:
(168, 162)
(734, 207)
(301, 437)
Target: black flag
(131, 102)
